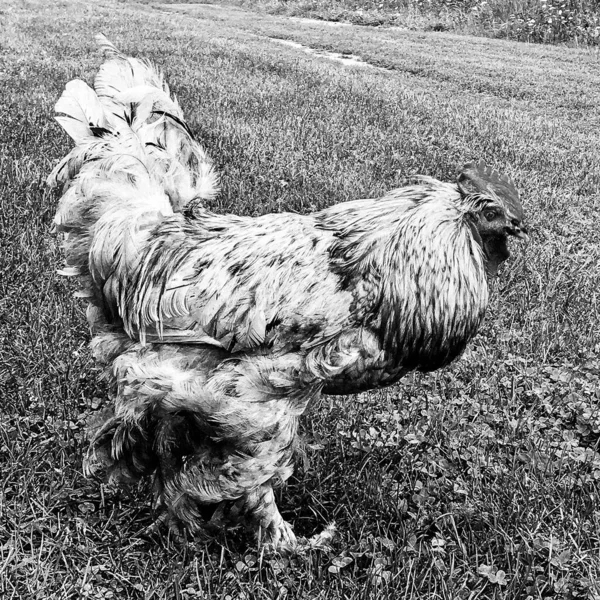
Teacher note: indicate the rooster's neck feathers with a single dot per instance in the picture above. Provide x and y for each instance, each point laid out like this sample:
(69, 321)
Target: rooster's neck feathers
(416, 272)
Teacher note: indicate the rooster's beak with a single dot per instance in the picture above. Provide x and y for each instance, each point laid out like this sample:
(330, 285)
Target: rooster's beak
(519, 232)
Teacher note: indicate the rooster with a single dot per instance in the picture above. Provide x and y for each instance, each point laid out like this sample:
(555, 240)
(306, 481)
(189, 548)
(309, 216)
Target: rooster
(217, 331)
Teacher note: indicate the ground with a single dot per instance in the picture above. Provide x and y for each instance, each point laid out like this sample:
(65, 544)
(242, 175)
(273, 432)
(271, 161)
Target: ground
(479, 481)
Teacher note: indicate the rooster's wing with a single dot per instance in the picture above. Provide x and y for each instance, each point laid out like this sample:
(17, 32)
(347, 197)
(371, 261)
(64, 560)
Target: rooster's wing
(238, 282)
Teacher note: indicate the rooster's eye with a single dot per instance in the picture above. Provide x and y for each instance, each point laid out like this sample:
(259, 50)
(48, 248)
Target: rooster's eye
(490, 215)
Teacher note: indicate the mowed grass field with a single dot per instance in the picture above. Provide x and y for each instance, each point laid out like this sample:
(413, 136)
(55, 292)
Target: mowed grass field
(479, 481)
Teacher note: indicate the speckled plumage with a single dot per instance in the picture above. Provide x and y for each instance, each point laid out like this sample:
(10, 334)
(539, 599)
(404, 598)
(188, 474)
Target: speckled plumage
(218, 330)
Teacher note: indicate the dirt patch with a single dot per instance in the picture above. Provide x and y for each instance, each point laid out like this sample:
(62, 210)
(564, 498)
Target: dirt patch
(310, 21)
(345, 59)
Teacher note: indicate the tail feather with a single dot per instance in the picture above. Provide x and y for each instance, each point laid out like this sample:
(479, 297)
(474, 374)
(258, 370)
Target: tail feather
(82, 111)
(105, 46)
(135, 163)
(120, 73)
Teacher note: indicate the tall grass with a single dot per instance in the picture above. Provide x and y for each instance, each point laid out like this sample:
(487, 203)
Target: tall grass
(544, 21)
(547, 21)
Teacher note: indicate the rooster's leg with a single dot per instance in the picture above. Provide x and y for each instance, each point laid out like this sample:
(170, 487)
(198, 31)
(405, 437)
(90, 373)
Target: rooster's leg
(258, 511)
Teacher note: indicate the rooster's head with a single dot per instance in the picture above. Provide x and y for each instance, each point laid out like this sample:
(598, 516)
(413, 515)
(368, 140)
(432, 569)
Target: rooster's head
(494, 212)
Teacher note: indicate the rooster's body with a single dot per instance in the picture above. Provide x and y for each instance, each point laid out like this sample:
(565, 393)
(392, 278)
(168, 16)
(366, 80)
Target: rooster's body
(218, 330)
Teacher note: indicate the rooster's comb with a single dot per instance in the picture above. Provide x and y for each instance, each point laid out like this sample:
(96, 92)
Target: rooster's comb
(479, 178)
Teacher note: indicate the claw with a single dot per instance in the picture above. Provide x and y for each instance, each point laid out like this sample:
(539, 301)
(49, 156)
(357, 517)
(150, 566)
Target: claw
(162, 520)
(284, 542)
(278, 539)
(322, 541)
(171, 526)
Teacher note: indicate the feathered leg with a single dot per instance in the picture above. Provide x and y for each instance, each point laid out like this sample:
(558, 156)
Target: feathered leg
(214, 432)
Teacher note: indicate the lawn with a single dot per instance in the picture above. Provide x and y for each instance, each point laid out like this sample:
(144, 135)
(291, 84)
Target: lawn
(479, 481)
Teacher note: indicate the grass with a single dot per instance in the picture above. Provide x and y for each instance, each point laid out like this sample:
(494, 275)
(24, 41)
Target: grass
(546, 21)
(479, 481)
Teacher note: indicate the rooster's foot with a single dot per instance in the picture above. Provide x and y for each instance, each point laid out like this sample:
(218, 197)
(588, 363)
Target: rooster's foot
(320, 541)
(167, 523)
(291, 545)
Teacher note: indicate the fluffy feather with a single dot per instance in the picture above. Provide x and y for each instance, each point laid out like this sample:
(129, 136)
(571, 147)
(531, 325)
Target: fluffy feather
(219, 330)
